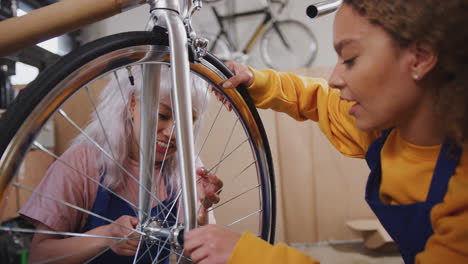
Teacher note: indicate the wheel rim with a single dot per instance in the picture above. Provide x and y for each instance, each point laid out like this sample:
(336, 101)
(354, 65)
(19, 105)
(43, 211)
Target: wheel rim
(299, 54)
(145, 54)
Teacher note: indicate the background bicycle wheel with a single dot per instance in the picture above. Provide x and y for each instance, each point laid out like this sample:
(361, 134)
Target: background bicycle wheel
(240, 157)
(288, 44)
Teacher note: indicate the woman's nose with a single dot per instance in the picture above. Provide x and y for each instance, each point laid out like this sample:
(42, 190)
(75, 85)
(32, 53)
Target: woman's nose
(168, 129)
(336, 80)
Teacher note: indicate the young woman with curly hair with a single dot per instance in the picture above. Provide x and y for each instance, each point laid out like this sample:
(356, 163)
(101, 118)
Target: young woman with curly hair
(397, 97)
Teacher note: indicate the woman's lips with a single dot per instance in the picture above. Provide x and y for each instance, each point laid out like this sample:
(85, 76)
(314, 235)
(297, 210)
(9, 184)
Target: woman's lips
(354, 108)
(163, 147)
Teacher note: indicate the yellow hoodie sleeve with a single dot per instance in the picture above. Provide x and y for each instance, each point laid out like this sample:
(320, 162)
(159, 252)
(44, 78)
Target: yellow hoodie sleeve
(251, 249)
(311, 98)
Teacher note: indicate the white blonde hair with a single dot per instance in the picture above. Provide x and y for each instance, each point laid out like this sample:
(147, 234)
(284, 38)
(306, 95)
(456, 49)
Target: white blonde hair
(113, 114)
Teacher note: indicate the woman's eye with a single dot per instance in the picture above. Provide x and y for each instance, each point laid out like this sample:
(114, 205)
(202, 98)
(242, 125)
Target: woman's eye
(349, 62)
(163, 116)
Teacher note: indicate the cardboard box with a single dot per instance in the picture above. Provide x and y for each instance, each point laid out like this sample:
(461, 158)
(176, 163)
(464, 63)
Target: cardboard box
(374, 234)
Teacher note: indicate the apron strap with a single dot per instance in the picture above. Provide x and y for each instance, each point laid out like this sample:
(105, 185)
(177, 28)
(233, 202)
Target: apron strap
(447, 163)
(373, 153)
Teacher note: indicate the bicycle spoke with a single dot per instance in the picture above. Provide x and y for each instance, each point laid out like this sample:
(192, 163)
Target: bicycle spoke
(47, 232)
(50, 260)
(211, 128)
(177, 198)
(245, 169)
(178, 261)
(223, 158)
(138, 256)
(113, 244)
(100, 121)
(138, 250)
(164, 247)
(164, 158)
(22, 230)
(18, 185)
(179, 208)
(161, 170)
(205, 103)
(235, 197)
(42, 148)
(109, 247)
(161, 177)
(149, 251)
(79, 234)
(172, 207)
(245, 217)
(74, 234)
(227, 156)
(227, 143)
(107, 154)
(161, 249)
(106, 138)
(236, 176)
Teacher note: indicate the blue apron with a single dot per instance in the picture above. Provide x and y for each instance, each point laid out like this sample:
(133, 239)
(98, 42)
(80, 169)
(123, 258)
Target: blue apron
(409, 225)
(112, 207)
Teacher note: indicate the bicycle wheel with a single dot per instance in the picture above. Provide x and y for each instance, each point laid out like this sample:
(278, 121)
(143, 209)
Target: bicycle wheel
(231, 144)
(281, 49)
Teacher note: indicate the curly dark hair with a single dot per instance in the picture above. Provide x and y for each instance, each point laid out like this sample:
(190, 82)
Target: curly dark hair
(443, 25)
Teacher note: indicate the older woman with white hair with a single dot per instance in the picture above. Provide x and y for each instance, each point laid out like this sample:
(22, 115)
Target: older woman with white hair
(102, 177)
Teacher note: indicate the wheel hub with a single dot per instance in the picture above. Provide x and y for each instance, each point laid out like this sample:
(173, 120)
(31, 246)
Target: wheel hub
(155, 232)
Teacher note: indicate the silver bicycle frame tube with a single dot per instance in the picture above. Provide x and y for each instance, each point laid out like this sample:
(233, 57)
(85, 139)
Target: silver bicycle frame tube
(168, 15)
(149, 101)
(182, 103)
(323, 8)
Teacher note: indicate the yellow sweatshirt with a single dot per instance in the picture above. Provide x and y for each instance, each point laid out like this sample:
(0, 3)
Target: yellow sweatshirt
(407, 169)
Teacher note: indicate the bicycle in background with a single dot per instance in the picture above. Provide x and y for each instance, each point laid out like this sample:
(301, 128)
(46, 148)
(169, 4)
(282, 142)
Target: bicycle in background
(284, 44)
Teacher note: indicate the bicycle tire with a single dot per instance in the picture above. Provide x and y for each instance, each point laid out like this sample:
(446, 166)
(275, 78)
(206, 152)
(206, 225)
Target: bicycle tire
(39, 101)
(299, 54)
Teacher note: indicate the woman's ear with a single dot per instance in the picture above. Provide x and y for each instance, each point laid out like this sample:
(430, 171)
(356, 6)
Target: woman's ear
(424, 60)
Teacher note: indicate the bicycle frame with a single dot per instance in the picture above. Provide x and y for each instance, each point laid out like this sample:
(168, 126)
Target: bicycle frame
(167, 13)
(259, 30)
(222, 31)
(40, 25)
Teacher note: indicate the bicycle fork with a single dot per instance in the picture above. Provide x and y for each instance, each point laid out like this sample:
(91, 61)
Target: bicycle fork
(167, 15)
